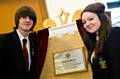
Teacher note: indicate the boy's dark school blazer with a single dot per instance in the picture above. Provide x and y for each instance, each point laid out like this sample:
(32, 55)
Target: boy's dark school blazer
(13, 65)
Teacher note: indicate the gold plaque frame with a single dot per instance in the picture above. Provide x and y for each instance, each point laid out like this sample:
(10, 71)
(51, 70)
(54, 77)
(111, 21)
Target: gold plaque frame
(69, 61)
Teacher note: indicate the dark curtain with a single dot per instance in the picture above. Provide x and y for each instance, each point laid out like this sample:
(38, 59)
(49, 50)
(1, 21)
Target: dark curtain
(41, 39)
(80, 27)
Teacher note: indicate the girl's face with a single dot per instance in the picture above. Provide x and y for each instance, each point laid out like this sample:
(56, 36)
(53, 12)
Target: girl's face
(91, 22)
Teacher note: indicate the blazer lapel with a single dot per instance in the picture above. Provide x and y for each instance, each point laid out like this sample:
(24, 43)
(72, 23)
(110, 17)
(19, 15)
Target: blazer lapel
(17, 49)
(32, 46)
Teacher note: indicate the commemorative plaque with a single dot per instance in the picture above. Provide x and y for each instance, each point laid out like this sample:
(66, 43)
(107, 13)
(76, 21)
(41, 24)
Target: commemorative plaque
(69, 61)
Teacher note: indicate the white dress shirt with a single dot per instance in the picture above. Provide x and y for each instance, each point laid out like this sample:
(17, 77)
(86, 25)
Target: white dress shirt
(21, 37)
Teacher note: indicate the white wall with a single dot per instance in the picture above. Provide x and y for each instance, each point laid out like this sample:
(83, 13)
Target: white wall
(54, 7)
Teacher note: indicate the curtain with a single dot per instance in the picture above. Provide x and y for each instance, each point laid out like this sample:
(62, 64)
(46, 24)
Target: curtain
(41, 39)
(80, 27)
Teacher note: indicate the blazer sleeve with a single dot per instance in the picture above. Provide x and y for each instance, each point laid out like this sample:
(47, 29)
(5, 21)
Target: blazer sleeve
(114, 51)
(2, 56)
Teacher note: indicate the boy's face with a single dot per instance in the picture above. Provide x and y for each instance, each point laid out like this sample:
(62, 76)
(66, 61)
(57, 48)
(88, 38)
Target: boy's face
(25, 23)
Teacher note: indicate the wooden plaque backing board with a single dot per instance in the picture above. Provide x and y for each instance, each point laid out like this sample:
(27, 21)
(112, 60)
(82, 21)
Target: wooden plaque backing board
(64, 43)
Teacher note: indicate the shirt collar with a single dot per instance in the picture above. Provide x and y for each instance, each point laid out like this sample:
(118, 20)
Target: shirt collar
(21, 37)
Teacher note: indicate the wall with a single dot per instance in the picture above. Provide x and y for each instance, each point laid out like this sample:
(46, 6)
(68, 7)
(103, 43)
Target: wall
(56, 7)
(9, 7)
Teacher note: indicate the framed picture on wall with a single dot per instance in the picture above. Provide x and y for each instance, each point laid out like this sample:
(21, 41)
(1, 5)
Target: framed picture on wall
(70, 61)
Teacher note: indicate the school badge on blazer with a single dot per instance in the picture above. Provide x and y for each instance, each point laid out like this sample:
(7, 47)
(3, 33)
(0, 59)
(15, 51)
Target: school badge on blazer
(33, 52)
(102, 63)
